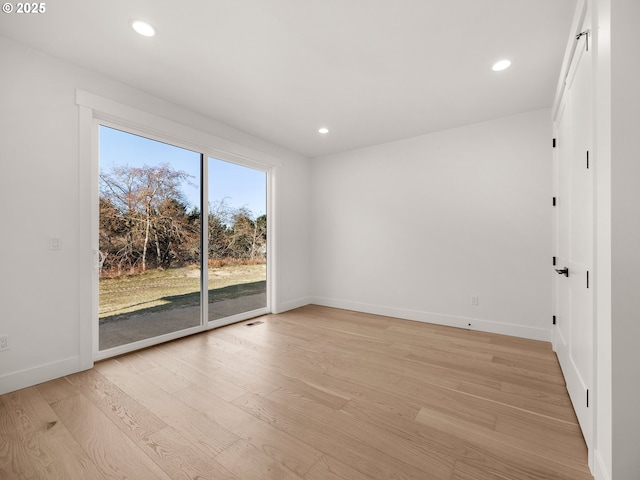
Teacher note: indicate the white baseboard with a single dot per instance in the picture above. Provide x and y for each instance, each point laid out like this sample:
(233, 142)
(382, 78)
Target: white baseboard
(291, 304)
(11, 382)
(600, 471)
(513, 330)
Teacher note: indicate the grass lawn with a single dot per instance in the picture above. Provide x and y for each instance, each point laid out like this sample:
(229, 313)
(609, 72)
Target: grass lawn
(176, 287)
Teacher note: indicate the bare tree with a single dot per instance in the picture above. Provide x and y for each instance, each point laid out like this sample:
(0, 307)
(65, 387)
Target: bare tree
(247, 235)
(134, 196)
(145, 223)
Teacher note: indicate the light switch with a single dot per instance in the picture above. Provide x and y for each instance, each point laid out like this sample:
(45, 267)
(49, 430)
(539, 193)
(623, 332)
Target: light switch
(55, 243)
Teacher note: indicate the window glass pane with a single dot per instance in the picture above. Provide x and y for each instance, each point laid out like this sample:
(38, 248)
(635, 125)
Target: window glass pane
(149, 238)
(237, 239)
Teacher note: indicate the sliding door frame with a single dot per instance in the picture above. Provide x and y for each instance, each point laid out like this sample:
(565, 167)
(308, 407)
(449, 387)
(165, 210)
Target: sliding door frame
(269, 305)
(95, 111)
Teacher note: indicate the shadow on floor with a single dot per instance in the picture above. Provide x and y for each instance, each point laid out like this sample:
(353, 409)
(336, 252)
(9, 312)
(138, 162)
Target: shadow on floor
(181, 312)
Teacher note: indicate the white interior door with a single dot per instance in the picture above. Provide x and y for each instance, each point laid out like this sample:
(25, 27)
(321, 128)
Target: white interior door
(574, 237)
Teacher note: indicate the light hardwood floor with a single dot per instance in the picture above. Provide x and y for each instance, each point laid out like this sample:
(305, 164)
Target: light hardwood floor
(313, 394)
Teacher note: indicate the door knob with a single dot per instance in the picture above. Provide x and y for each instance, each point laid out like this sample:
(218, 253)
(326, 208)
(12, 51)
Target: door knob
(563, 271)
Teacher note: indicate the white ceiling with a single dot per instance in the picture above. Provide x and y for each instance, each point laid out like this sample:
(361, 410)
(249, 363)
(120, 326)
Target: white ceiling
(372, 71)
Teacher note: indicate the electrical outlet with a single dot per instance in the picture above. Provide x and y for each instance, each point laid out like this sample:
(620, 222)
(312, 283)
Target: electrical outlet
(475, 300)
(4, 343)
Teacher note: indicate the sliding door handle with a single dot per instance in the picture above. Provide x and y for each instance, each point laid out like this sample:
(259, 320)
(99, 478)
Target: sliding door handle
(563, 271)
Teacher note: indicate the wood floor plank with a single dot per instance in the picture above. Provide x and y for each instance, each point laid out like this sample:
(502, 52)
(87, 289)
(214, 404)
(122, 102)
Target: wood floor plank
(464, 471)
(248, 462)
(497, 371)
(543, 402)
(181, 459)
(57, 390)
(477, 411)
(195, 426)
(292, 452)
(239, 375)
(234, 366)
(392, 400)
(36, 444)
(314, 393)
(115, 455)
(543, 432)
(250, 345)
(328, 468)
(333, 437)
(171, 451)
(398, 446)
(137, 361)
(171, 358)
(504, 455)
(130, 416)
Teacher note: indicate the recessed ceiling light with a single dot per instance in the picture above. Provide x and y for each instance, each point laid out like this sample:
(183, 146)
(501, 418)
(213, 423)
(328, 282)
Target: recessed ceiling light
(143, 28)
(501, 65)
(323, 130)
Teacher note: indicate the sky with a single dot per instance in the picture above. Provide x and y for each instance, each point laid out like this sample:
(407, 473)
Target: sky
(238, 186)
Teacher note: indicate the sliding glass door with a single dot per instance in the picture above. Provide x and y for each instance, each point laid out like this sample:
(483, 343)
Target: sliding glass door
(237, 239)
(158, 204)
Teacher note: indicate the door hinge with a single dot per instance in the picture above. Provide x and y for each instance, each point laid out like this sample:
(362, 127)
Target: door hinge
(554, 201)
(554, 319)
(587, 398)
(554, 143)
(587, 278)
(554, 261)
(587, 159)
(584, 34)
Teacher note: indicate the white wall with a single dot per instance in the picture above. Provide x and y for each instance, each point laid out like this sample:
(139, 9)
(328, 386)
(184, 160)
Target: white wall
(40, 194)
(414, 228)
(625, 238)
